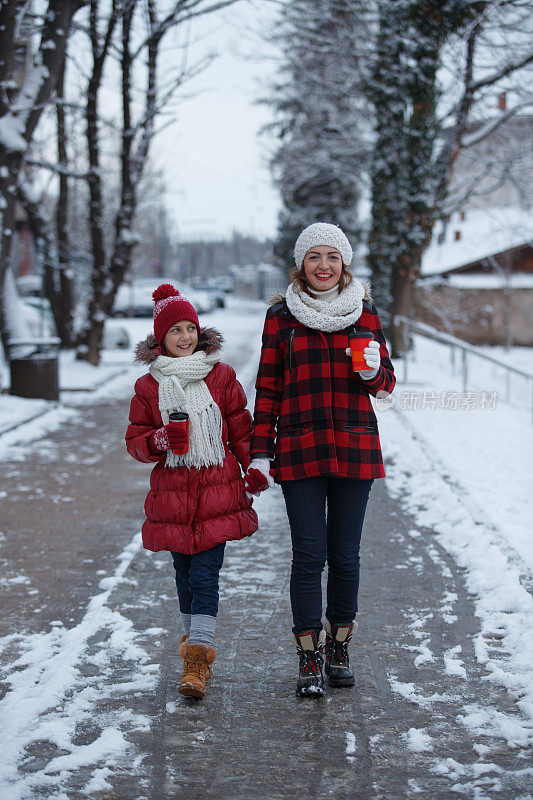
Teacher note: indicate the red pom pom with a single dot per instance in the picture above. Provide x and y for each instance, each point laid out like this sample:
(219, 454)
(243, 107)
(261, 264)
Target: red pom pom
(165, 290)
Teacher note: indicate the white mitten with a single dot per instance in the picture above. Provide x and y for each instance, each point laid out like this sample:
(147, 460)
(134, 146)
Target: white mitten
(264, 466)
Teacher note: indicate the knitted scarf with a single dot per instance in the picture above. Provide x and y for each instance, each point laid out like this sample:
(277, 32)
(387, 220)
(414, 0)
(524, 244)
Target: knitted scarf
(182, 388)
(327, 315)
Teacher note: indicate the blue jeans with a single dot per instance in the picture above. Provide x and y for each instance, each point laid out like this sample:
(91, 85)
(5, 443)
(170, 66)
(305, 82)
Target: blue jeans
(317, 538)
(197, 580)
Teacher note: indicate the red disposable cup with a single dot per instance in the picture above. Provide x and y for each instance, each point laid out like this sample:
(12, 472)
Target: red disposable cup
(358, 341)
(180, 418)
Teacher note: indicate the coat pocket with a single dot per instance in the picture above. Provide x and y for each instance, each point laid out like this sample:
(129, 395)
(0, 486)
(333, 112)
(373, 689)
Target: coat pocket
(296, 431)
(361, 428)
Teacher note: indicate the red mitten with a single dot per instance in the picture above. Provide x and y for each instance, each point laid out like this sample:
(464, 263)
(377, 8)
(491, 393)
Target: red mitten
(158, 441)
(177, 436)
(254, 481)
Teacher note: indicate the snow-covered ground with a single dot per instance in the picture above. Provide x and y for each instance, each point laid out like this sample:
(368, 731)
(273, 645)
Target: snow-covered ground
(49, 696)
(461, 464)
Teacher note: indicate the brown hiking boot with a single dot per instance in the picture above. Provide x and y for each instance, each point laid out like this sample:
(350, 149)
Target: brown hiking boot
(197, 660)
(182, 652)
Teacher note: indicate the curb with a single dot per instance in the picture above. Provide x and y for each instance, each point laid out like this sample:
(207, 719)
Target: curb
(55, 405)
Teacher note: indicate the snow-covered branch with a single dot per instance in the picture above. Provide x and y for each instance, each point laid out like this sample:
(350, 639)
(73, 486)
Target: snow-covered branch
(58, 169)
(503, 72)
(491, 125)
(182, 11)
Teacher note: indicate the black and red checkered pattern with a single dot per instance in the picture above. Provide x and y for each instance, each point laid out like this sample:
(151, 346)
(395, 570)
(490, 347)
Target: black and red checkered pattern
(313, 413)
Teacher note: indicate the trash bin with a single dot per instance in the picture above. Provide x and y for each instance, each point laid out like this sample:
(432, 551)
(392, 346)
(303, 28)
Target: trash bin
(34, 368)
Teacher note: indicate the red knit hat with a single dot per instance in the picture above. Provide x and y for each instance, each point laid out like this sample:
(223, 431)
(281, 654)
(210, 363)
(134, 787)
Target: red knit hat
(171, 307)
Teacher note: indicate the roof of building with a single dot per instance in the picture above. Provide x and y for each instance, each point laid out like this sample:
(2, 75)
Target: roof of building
(483, 232)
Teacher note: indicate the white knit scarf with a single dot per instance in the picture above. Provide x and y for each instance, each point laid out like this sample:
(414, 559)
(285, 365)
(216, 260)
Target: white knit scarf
(327, 315)
(182, 388)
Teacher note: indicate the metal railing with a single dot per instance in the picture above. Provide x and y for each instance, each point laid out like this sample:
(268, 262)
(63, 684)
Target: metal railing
(465, 350)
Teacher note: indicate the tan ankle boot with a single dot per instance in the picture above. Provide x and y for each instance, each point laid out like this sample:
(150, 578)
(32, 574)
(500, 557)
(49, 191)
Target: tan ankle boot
(197, 659)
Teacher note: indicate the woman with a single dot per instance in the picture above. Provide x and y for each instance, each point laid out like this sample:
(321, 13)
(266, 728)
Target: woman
(197, 500)
(314, 418)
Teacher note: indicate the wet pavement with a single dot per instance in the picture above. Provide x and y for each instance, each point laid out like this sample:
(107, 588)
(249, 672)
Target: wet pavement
(88, 651)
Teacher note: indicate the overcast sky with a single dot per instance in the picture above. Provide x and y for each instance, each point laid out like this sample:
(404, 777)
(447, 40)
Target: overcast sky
(213, 159)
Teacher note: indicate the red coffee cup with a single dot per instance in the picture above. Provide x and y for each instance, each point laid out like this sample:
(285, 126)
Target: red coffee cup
(358, 341)
(181, 418)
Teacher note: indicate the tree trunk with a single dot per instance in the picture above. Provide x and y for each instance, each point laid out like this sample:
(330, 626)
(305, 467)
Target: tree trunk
(37, 87)
(89, 342)
(64, 312)
(403, 294)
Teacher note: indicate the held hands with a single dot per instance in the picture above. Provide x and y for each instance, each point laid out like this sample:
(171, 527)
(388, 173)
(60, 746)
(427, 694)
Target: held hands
(258, 477)
(372, 358)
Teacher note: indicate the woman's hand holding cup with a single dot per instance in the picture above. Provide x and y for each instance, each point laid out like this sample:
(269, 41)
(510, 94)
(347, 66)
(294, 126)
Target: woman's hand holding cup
(369, 356)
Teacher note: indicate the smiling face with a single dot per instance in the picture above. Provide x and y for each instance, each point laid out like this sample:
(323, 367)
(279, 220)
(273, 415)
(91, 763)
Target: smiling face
(322, 267)
(181, 339)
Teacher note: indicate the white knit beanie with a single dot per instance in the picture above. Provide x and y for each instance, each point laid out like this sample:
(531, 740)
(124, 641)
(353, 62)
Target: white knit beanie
(322, 233)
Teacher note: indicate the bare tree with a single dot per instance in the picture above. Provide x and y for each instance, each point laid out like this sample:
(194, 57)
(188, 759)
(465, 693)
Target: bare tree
(21, 107)
(109, 268)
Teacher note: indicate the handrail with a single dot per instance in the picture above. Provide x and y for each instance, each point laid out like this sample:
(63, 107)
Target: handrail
(445, 338)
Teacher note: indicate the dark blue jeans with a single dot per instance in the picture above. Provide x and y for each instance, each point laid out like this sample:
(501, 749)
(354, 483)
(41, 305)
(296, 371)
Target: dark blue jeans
(197, 580)
(317, 538)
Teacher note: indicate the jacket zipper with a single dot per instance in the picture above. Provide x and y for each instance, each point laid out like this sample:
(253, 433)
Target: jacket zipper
(291, 340)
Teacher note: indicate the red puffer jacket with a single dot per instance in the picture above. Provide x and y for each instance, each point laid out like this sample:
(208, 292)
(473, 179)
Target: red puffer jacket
(189, 510)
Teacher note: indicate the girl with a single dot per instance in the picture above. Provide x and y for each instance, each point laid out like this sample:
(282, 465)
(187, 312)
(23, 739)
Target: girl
(314, 418)
(197, 500)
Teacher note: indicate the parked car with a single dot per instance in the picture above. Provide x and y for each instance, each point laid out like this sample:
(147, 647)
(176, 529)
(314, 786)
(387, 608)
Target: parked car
(30, 286)
(39, 320)
(207, 298)
(222, 283)
(38, 317)
(135, 299)
(116, 337)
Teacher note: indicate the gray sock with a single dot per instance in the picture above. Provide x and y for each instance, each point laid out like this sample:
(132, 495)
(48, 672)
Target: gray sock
(186, 619)
(202, 629)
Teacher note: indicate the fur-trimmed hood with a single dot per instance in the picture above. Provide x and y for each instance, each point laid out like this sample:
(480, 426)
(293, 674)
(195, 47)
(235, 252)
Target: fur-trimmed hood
(279, 296)
(148, 350)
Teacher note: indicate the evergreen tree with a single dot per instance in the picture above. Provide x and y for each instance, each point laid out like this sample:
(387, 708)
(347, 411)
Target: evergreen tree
(405, 93)
(320, 109)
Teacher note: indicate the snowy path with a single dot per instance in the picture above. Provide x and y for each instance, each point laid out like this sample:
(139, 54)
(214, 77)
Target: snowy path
(89, 629)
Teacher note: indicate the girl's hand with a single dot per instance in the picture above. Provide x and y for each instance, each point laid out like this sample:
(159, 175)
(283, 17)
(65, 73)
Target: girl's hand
(176, 436)
(159, 441)
(258, 477)
(170, 437)
(255, 482)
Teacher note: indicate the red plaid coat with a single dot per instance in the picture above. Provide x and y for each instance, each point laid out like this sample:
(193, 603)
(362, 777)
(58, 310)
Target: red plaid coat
(313, 413)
